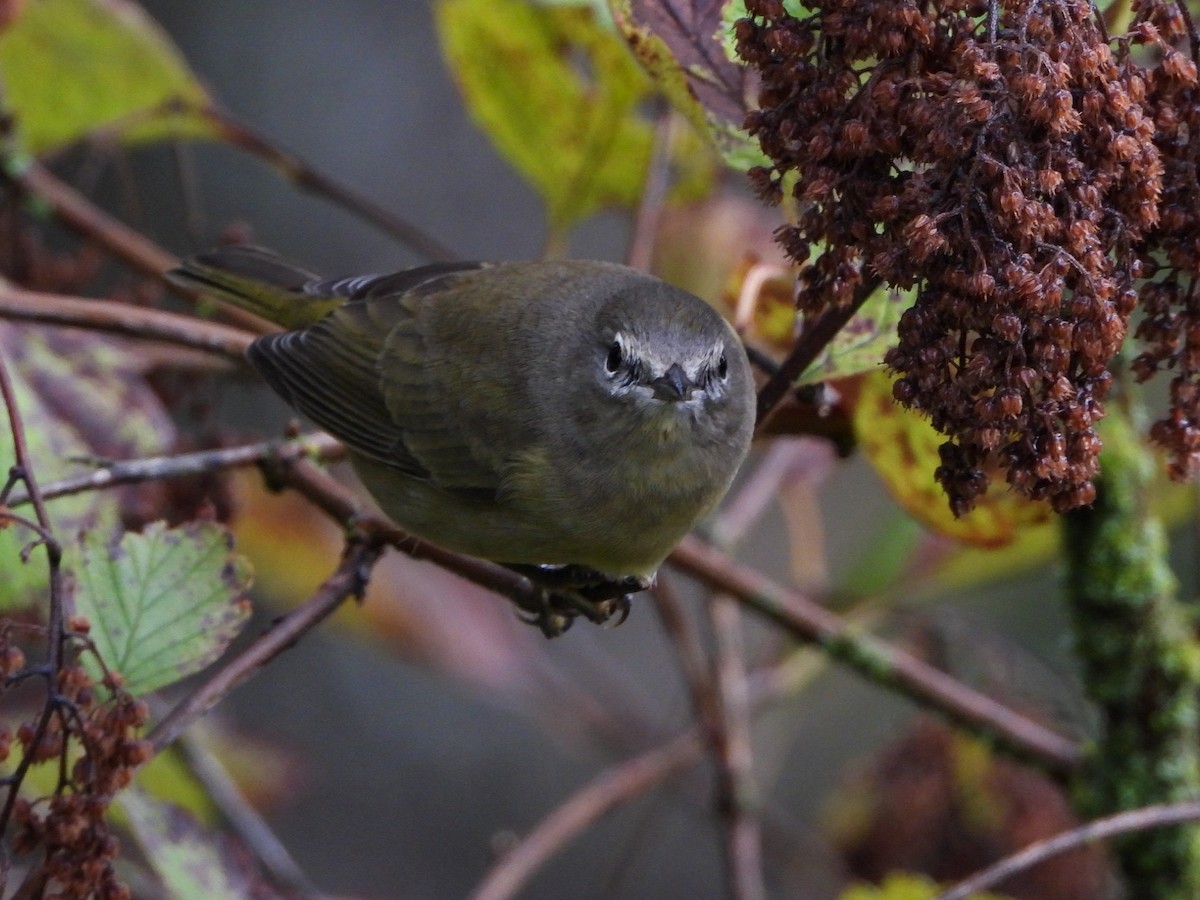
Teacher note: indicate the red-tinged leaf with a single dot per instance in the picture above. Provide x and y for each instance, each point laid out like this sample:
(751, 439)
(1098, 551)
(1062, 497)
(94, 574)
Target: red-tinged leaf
(80, 396)
(681, 44)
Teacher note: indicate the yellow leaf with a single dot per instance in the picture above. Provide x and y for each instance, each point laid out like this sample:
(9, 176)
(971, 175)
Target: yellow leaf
(903, 449)
(71, 67)
(558, 94)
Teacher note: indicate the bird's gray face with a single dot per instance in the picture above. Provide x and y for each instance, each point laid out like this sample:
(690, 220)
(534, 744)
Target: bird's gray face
(668, 380)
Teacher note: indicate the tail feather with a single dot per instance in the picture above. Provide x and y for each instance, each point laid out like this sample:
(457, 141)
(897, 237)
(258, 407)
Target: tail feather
(257, 281)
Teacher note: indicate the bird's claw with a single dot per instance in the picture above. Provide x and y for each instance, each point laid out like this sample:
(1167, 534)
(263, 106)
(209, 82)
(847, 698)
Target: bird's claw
(564, 596)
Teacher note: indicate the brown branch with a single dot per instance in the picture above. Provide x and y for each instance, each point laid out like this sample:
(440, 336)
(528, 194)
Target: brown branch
(813, 339)
(79, 214)
(56, 632)
(348, 580)
(689, 648)
(247, 822)
(308, 178)
(608, 791)
(20, 305)
(648, 214)
(881, 663)
(183, 465)
(737, 791)
(1158, 816)
(340, 503)
(130, 246)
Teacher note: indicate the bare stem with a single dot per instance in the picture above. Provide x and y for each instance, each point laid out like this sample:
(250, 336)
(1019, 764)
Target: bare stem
(881, 663)
(813, 339)
(309, 178)
(20, 305)
(182, 465)
(606, 792)
(1157, 816)
(56, 628)
(650, 208)
(348, 580)
(737, 792)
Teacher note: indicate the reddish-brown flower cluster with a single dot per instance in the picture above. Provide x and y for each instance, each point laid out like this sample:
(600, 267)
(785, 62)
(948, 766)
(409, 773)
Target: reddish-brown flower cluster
(98, 738)
(1170, 326)
(996, 159)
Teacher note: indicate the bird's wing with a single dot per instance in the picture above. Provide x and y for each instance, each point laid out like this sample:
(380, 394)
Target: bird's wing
(331, 373)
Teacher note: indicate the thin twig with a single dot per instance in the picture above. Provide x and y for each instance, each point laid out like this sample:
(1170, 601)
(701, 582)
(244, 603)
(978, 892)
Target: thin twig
(693, 661)
(737, 793)
(81, 215)
(1157, 816)
(308, 178)
(613, 788)
(340, 503)
(608, 791)
(251, 828)
(348, 580)
(815, 338)
(648, 215)
(20, 305)
(55, 626)
(130, 246)
(183, 465)
(881, 663)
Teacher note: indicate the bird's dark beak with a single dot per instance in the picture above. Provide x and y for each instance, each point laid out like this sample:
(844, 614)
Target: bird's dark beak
(674, 384)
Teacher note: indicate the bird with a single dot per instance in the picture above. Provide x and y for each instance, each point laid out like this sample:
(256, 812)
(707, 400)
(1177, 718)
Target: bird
(573, 418)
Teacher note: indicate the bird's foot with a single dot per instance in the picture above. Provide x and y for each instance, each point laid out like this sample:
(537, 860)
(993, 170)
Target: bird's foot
(567, 592)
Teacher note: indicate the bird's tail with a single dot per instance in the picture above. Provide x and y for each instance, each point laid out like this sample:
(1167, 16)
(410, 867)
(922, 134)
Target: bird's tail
(259, 282)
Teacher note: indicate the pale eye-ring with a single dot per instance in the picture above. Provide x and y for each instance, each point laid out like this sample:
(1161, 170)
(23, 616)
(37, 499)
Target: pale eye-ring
(615, 355)
(722, 367)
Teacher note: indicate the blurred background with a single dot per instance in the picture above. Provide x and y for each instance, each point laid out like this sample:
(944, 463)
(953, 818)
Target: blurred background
(411, 738)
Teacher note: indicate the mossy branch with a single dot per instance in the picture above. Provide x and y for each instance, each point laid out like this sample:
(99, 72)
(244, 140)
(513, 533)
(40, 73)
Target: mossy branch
(1141, 666)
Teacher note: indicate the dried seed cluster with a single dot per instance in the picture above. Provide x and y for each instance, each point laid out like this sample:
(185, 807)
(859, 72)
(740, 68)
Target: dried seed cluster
(998, 160)
(94, 739)
(1170, 324)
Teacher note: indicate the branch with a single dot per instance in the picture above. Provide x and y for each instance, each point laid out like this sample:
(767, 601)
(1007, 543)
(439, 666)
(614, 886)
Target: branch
(608, 791)
(56, 626)
(648, 215)
(737, 792)
(879, 662)
(182, 465)
(82, 216)
(142, 322)
(348, 580)
(85, 218)
(308, 178)
(246, 821)
(813, 339)
(611, 789)
(1158, 816)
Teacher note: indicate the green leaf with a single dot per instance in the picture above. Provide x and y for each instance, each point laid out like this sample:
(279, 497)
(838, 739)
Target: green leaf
(681, 44)
(164, 603)
(79, 396)
(861, 344)
(558, 94)
(194, 864)
(70, 67)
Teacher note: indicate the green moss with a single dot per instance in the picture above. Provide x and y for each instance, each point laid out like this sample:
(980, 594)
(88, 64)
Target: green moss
(1141, 666)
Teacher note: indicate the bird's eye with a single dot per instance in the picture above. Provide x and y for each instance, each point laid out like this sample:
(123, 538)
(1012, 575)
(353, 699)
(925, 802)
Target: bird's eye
(613, 361)
(722, 367)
